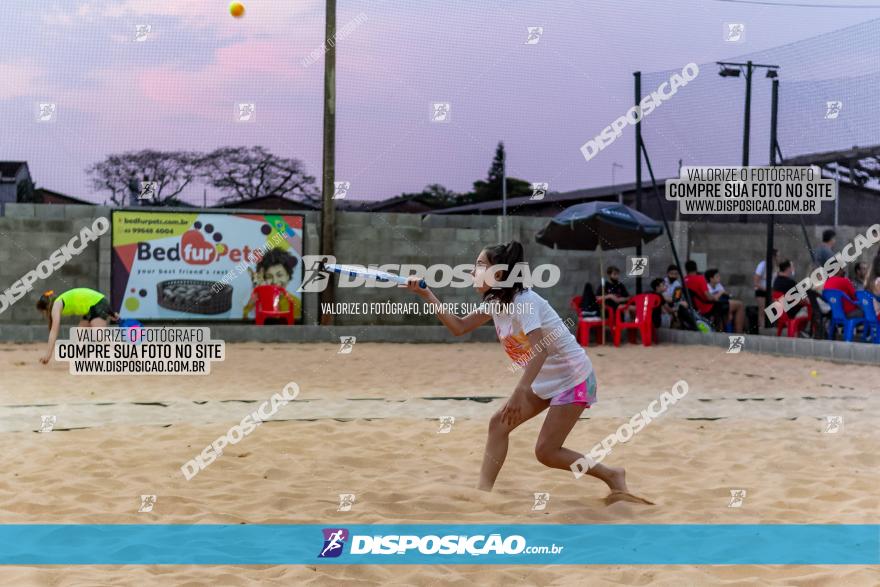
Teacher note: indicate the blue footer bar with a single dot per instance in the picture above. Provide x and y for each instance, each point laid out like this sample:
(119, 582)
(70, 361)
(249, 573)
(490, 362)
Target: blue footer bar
(614, 544)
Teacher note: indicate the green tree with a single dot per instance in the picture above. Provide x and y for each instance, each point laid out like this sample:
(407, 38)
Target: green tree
(25, 192)
(440, 195)
(490, 188)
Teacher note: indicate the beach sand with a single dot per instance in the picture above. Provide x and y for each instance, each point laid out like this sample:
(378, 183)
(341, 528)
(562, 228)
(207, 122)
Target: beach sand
(364, 423)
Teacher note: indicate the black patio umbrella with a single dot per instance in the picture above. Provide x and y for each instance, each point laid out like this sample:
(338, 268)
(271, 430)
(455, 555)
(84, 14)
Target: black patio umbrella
(599, 225)
(594, 225)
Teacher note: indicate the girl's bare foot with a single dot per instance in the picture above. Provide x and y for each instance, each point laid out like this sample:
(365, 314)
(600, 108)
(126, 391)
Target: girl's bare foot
(616, 479)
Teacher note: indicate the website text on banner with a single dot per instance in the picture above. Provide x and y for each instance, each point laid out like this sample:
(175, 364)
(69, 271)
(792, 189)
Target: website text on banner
(750, 190)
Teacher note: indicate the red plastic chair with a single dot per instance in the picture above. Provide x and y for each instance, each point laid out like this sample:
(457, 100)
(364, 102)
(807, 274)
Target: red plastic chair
(269, 304)
(796, 324)
(644, 305)
(584, 326)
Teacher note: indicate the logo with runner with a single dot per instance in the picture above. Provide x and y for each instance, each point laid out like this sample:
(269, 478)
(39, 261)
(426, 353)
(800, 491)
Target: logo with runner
(346, 500)
(736, 343)
(147, 503)
(539, 190)
(637, 266)
(315, 279)
(832, 109)
(334, 540)
(737, 497)
(47, 423)
(535, 33)
(346, 345)
(833, 424)
(541, 501)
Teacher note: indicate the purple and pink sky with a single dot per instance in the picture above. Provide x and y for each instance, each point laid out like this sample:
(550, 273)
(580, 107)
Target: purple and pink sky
(178, 89)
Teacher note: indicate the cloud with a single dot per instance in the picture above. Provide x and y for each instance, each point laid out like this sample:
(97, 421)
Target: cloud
(20, 79)
(261, 16)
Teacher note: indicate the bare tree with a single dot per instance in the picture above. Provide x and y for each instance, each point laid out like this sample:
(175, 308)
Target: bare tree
(122, 174)
(244, 173)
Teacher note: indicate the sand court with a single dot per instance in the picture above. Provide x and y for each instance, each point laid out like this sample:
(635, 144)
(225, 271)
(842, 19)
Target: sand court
(368, 423)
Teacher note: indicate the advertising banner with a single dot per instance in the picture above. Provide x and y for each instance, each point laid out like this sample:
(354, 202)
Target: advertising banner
(202, 265)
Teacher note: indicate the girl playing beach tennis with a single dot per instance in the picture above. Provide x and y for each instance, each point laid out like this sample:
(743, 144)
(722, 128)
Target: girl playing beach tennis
(81, 301)
(556, 372)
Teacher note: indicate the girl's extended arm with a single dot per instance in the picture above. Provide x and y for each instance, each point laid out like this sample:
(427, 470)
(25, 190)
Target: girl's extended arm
(53, 332)
(457, 325)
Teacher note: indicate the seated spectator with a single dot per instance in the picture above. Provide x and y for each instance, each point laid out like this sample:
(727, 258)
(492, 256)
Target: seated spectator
(721, 310)
(662, 314)
(615, 295)
(784, 282)
(841, 283)
(699, 289)
(736, 308)
(615, 291)
(859, 274)
(713, 278)
(673, 283)
(590, 307)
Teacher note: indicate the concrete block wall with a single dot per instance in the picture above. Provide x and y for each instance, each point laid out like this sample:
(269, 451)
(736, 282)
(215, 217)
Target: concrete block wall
(30, 233)
(826, 350)
(367, 238)
(736, 249)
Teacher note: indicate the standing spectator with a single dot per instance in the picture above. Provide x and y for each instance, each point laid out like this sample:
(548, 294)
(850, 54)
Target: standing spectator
(825, 251)
(759, 281)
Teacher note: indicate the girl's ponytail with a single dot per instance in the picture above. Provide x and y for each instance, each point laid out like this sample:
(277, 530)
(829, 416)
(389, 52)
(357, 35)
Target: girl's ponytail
(45, 303)
(510, 255)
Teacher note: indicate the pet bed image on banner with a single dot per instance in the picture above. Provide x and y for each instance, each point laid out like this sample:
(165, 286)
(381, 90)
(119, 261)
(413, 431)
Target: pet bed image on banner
(201, 265)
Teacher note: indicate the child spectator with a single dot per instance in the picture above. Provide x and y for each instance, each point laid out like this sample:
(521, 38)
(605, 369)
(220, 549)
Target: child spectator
(662, 314)
(713, 277)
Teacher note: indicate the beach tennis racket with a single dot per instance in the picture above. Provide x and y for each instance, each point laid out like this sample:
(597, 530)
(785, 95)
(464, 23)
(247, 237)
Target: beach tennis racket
(369, 273)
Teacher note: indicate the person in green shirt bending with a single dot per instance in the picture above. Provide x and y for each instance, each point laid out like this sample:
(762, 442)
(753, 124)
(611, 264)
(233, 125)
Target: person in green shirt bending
(81, 301)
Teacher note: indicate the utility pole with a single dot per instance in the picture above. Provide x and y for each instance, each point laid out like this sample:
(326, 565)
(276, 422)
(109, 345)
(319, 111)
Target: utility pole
(768, 260)
(747, 123)
(503, 193)
(732, 69)
(638, 98)
(328, 211)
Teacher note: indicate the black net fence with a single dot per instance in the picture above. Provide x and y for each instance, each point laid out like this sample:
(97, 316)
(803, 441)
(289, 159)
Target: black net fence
(829, 99)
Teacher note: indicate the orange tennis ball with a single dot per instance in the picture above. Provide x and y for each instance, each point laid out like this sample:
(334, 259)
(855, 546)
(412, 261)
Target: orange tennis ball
(236, 9)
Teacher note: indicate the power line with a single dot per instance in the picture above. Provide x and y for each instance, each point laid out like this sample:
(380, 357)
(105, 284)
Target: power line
(800, 5)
